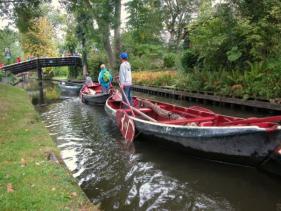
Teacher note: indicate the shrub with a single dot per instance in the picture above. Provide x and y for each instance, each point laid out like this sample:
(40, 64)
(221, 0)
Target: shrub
(48, 72)
(60, 71)
(169, 60)
(155, 64)
(158, 78)
(94, 62)
(137, 63)
(145, 63)
(188, 60)
(74, 72)
(1, 75)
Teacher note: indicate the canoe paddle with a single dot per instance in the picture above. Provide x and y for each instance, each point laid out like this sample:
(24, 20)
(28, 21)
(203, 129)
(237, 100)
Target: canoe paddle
(124, 122)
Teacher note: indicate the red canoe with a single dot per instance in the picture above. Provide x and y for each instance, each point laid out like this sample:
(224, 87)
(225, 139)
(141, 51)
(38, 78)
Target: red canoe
(251, 141)
(93, 95)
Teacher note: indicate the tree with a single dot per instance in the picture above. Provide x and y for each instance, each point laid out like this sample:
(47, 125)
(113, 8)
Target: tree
(83, 26)
(116, 26)
(22, 12)
(145, 20)
(103, 11)
(98, 18)
(38, 40)
(70, 40)
(214, 36)
(232, 35)
(9, 39)
(263, 19)
(81, 33)
(178, 14)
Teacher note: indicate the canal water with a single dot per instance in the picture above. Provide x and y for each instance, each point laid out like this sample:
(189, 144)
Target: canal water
(146, 175)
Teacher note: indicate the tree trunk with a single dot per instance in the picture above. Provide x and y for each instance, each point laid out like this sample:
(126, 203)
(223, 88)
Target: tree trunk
(84, 58)
(117, 24)
(107, 47)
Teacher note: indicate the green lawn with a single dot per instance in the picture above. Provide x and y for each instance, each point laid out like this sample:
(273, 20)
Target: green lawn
(60, 78)
(28, 180)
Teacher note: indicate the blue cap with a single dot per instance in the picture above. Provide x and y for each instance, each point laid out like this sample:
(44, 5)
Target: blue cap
(124, 55)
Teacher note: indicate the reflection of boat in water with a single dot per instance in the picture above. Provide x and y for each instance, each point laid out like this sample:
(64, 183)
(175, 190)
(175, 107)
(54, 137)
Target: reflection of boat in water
(252, 141)
(69, 88)
(93, 95)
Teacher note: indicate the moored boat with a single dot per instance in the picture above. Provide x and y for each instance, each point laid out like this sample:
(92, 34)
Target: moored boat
(93, 95)
(252, 141)
(69, 88)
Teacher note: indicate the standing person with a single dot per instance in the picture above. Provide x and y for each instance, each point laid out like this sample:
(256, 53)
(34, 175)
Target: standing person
(104, 79)
(18, 59)
(125, 76)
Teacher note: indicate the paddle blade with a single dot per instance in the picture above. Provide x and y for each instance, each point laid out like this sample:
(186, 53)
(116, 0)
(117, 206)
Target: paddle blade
(125, 125)
(117, 96)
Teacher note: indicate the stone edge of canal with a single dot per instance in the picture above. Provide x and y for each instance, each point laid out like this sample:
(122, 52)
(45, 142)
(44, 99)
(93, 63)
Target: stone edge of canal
(28, 178)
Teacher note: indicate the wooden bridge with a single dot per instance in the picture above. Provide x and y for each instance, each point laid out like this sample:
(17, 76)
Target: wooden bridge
(39, 63)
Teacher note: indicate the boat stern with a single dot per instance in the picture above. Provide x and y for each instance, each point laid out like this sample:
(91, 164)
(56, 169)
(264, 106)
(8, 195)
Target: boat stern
(272, 164)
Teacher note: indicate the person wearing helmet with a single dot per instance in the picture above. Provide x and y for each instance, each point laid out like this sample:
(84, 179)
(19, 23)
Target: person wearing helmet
(125, 76)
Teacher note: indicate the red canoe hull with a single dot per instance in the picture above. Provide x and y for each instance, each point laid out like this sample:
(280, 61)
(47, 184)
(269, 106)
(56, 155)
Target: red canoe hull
(93, 95)
(242, 144)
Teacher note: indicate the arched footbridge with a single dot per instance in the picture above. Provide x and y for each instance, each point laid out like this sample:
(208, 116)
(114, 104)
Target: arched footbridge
(39, 63)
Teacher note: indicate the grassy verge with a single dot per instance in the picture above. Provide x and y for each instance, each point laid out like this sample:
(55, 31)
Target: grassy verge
(60, 77)
(28, 180)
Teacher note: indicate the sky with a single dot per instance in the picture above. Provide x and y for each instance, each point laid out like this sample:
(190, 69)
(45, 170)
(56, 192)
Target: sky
(124, 13)
(4, 22)
(56, 5)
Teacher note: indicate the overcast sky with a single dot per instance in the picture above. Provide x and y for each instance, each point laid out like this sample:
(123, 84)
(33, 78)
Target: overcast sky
(56, 4)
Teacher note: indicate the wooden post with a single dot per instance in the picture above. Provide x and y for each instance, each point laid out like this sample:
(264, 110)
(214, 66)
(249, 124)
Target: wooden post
(41, 92)
(39, 70)
(75, 64)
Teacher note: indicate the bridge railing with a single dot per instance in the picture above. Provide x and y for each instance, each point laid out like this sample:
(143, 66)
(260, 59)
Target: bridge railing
(38, 63)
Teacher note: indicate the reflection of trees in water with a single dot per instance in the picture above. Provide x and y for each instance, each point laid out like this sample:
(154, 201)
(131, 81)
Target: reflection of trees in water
(41, 92)
(30, 85)
(52, 93)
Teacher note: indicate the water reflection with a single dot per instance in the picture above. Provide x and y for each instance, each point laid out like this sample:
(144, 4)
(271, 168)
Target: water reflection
(149, 175)
(41, 92)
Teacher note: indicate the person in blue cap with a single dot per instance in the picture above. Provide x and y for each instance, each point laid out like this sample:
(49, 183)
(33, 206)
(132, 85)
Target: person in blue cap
(125, 76)
(104, 79)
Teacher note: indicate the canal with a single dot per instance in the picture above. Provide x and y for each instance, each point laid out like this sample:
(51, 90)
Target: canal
(147, 175)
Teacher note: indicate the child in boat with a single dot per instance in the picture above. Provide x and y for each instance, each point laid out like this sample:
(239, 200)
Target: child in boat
(88, 83)
(104, 79)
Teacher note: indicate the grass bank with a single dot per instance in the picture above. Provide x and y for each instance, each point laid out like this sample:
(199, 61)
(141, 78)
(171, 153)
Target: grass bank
(28, 179)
